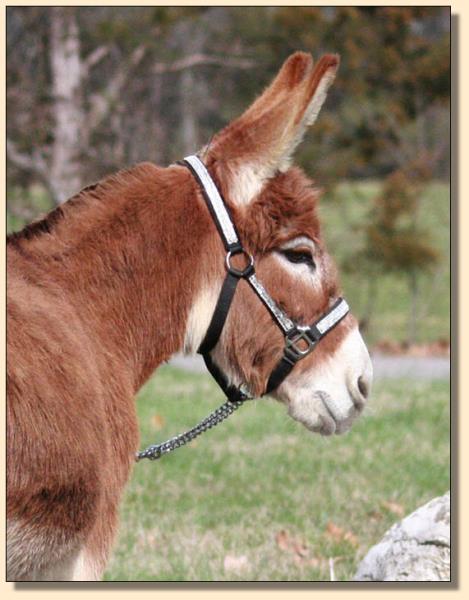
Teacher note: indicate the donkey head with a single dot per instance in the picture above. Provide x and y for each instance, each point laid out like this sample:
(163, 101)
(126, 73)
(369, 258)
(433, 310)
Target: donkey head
(274, 206)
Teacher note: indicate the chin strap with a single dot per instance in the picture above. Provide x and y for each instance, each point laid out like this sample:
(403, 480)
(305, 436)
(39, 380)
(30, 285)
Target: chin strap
(299, 340)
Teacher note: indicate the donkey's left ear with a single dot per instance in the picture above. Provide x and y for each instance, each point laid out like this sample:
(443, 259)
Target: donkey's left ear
(261, 142)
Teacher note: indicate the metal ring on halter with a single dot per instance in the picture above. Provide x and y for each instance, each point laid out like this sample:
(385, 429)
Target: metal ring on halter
(299, 340)
(248, 270)
(293, 348)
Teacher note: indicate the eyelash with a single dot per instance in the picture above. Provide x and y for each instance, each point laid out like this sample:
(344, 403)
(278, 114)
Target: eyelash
(299, 257)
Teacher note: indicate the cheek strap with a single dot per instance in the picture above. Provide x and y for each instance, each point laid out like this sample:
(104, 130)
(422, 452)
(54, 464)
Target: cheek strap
(299, 340)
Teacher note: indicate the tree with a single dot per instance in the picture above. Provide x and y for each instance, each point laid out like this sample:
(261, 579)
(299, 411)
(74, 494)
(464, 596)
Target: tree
(93, 89)
(394, 240)
(395, 65)
(70, 132)
(92, 111)
(155, 82)
(58, 163)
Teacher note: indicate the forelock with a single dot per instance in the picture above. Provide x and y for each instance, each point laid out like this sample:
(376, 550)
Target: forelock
(286, 207)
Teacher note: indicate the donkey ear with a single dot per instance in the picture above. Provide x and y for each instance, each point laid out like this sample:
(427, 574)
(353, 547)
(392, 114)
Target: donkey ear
(261, 142)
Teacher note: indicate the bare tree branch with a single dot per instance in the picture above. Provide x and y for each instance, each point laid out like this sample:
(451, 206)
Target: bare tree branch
(101, 103)
(202, 59)
(34, 162)
(93, 59)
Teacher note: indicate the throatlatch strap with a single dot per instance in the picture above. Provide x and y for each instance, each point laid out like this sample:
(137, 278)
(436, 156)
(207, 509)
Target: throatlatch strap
(233, 393)
(296, 337)
(226, 228)
(219, 316)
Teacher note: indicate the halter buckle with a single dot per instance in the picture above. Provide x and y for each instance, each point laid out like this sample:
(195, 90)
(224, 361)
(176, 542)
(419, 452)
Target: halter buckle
(294, 342)
(248, 269)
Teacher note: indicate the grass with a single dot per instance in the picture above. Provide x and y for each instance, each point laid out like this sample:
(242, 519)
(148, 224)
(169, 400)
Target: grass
(342, 215)
(261, 498)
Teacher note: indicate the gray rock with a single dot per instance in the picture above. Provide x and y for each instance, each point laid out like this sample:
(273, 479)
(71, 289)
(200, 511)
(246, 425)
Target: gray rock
(414, 549)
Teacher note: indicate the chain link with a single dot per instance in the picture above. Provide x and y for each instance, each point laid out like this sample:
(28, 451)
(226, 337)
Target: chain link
(217, 416)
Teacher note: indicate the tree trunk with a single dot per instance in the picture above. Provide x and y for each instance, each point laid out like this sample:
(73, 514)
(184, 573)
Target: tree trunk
(190, 39)
(70, 131)
(189, 137)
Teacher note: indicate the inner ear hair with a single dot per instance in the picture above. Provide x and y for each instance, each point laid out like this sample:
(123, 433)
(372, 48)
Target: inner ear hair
(261, 143)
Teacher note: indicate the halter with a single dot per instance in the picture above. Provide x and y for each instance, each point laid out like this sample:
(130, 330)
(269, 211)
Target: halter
(300, 340)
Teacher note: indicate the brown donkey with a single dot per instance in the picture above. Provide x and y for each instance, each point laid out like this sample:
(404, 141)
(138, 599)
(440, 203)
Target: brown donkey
(128, 272)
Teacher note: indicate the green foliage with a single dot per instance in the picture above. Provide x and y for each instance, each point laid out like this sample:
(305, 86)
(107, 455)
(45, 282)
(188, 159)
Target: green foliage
(394, 66)
(25, 205)
(394, 69)
(381, 240)
(394, 240)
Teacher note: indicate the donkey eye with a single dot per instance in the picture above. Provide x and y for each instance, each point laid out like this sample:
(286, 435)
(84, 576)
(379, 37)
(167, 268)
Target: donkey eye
(299, 256)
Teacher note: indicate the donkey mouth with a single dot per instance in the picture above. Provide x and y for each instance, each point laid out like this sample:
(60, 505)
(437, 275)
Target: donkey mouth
(317, 415)
(331, 424)
(327, 421)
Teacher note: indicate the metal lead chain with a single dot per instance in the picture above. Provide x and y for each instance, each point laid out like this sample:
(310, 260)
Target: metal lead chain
(217, 416)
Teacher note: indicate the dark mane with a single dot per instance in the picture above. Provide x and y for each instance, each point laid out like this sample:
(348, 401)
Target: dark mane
(47, 223)
(100, 191)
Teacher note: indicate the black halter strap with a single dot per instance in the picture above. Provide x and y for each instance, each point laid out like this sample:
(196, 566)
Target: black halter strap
(299, 340)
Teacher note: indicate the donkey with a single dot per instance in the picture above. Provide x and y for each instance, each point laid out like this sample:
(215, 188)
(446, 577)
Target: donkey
(127, 272)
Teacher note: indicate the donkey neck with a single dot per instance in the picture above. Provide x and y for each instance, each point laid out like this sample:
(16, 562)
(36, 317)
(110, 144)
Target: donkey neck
(133, 253)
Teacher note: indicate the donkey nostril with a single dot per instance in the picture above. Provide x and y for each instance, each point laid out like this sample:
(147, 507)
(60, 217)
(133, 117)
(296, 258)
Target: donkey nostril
(363, 387)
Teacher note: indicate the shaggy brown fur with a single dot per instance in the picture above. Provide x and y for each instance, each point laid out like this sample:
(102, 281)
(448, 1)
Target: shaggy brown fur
(99, 294)
(96, 300)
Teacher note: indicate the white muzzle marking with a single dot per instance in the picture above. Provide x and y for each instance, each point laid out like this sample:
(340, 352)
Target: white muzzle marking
(328, 398)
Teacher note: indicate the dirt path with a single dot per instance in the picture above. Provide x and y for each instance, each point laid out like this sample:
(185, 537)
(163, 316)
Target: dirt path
(415, 367)
(384, 366)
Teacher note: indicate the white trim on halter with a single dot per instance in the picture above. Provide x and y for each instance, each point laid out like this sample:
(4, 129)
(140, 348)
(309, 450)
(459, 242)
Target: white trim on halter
(285, 323)
(215, 198)
(224, 220)
(333, 317)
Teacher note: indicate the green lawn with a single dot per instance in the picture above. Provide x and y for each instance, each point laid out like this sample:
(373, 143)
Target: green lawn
(261, 498)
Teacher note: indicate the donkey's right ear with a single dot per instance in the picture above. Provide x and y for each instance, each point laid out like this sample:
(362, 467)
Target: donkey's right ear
(261, 142)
